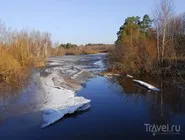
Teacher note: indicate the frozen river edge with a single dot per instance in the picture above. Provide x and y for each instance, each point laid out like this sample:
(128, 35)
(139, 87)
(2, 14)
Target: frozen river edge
(60, 79)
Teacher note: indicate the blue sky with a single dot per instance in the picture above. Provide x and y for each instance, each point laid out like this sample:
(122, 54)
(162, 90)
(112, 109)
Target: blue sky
(76, 21)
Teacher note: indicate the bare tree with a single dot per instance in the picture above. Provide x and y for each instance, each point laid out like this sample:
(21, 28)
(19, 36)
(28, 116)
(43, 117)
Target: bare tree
(162, 16)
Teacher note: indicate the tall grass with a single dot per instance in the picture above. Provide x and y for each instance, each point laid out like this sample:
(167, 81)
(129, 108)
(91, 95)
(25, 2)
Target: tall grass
(19, 52)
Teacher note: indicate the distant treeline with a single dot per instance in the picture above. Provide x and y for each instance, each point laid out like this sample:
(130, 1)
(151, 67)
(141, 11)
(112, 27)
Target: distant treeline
(73, 49)
(22, 50)
(151, 46)
(69, 45)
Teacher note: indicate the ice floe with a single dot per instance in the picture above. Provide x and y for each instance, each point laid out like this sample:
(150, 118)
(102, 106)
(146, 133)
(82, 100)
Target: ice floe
(99, 63)
(54, 63)
(146, 85)
(55, 113)
(59, 100)
(75, 75)
(129, 76)
(62, 77)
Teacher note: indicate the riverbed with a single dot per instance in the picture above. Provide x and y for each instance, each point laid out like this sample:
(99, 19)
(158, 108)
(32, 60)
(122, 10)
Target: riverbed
(119, 108)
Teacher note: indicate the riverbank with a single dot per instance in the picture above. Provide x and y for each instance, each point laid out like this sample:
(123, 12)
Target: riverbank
(60, 80)
(52, 89)
(20, 52)
(118, 109)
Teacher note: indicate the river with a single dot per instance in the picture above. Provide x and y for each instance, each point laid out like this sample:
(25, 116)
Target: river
(119, 108)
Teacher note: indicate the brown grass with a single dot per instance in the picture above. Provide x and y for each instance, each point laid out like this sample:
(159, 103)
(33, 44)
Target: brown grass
(19, 52)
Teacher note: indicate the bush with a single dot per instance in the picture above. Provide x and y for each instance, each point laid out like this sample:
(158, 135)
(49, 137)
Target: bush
(19, 51)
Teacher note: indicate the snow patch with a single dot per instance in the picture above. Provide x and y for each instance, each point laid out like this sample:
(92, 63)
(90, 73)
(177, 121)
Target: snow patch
(129, 76)
(84, 107)
(50, 116)
(146, 85)
(59, 101)
(99, 63)
(111, 75)
(75, 75)
(53, 63)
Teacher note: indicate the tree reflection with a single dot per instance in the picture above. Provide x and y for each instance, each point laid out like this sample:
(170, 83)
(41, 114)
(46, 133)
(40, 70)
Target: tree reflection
(170, 100)
(13, 90)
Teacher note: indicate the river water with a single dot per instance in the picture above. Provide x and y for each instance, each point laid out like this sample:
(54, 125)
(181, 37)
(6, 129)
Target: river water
(119, 109)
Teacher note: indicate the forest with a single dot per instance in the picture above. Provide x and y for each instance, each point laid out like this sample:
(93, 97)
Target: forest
(151, 45)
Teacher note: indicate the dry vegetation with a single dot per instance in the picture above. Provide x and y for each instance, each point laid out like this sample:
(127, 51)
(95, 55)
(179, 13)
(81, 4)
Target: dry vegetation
(71, 49)
(160, 49)
(20, 51)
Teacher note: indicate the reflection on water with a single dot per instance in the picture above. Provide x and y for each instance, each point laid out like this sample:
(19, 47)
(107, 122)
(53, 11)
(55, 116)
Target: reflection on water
(119, 109)
(11, 85)
(116, 112)
(23, 99)
(7, 94)
(164, 104)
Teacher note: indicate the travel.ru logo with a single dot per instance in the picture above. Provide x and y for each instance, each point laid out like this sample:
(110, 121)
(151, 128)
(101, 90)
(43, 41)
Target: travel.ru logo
(163, 129)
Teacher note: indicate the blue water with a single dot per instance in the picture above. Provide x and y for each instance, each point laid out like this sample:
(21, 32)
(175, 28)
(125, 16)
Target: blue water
(114, 115)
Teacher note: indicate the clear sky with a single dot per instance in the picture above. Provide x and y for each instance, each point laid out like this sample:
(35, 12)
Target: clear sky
(76, 21)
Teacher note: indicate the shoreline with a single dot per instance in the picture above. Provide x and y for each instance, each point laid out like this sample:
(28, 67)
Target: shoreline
(53, 89)
(60, 87)
(61, 78)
